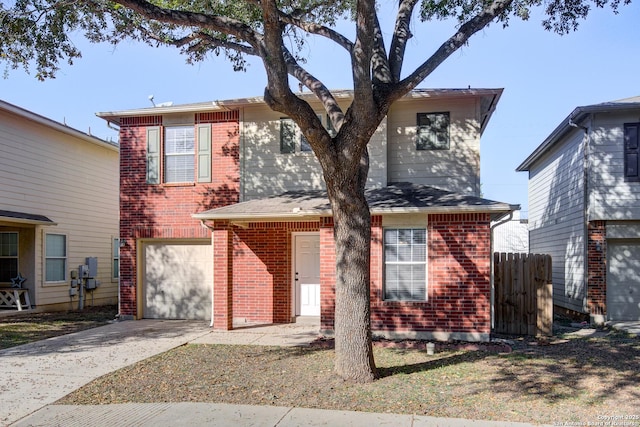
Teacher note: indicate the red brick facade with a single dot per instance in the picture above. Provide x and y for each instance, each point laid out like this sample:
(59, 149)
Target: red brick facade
(458, 280)
(597, 269)
(259, 267)
(163, 211)
(253, 263)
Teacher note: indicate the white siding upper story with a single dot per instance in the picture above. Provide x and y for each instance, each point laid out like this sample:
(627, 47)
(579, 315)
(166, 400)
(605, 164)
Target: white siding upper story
(392, 151)
(556, 217)
(72, 179)
(610, 196)
(265, 171)
(456, 169)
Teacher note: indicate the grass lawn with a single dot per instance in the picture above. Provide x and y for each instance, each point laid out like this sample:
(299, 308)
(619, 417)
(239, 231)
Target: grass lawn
(22, 328)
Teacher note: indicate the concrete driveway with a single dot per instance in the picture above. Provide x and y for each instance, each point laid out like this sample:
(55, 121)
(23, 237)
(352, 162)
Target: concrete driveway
(38, 374)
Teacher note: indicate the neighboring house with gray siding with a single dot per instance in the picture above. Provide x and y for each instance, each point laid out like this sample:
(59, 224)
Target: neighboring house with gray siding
(584, 209)
(58, 206)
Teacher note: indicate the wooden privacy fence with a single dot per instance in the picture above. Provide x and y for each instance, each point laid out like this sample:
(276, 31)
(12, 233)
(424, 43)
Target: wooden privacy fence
(523, 294)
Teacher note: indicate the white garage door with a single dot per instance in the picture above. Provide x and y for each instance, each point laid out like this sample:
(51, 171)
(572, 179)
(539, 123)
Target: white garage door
(177, 280)
(623, 280)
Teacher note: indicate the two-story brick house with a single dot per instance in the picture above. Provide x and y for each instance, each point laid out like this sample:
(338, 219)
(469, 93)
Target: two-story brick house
(227, 196)
(584, 209)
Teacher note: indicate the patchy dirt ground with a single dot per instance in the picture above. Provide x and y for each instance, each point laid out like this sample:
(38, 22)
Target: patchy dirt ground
(565, 379)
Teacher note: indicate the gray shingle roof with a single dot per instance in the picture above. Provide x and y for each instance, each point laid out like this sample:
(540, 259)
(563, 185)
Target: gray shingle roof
(395, 198)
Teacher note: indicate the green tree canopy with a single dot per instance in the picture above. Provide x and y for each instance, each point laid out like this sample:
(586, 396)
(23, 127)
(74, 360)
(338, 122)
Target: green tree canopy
(37, 35)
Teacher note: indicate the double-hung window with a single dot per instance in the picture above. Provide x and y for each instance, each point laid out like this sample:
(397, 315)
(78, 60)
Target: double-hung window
(8, 256)
(115, 258)
(55, 257)
(432, 131)
(405, 263)
(179, 154)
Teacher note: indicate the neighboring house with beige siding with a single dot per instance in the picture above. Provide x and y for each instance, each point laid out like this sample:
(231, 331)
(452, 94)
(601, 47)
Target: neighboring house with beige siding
(58, 206)
(245, 234)
(584, 209)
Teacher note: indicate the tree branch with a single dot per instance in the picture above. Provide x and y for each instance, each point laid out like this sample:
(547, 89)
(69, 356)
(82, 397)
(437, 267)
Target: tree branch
(199, 38)
(318, 89)
(317, 29)
(379, 62)
(362, 53)
(401, 36)
(188, 19)
(468, 29)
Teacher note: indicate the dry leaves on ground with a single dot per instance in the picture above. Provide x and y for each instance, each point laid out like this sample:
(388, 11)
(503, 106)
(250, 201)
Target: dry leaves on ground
(568, 380)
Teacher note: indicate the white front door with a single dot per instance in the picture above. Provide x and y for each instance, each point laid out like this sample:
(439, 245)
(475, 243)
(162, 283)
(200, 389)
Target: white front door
(307, 274)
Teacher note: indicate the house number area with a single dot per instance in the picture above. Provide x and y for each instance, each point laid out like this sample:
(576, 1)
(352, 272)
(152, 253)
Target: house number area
(605, 420)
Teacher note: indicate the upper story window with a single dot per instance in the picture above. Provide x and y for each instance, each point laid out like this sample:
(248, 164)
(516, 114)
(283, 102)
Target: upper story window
(631, 152)
(55, 257)
(179, 154)
(291, 138)
(405, 264)
(432, 131)
(8, 256)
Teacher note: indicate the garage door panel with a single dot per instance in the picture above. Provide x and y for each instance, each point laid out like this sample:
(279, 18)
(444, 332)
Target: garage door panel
(623, 280)
(178, 279)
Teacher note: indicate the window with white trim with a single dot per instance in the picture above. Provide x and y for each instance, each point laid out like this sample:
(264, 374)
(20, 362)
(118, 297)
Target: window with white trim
(55, 257)
(8, 256)
(405, 263)
(115, 261)
(179, 154)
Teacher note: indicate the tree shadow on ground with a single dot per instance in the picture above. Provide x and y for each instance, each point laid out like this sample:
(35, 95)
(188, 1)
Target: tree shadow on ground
(590, 369)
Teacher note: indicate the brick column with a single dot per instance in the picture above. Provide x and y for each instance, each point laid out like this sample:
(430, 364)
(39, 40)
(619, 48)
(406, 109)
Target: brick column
(597, 271)
(376, 267)
(222, 278)
(327, 275)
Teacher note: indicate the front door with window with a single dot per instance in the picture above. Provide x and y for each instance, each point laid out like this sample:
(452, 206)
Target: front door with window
(307, 274)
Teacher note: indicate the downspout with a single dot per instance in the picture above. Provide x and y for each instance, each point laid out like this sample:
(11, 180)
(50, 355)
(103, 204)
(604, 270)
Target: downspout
(585, 213)
(213, 276)
(492, 266)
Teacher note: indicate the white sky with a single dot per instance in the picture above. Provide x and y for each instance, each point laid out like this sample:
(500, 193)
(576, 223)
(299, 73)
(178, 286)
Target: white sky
(544, 76)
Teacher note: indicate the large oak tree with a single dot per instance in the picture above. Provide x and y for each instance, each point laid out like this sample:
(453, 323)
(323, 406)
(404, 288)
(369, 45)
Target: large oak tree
(37, 34)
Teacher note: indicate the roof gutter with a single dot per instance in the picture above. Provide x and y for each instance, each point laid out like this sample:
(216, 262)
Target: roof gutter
(573, 120)
(41, 120)
(503, 209)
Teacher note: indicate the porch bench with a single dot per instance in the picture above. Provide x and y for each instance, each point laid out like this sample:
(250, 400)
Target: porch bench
(14, 297)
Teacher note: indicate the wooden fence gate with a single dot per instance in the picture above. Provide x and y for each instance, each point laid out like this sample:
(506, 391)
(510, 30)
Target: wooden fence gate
(523, 294)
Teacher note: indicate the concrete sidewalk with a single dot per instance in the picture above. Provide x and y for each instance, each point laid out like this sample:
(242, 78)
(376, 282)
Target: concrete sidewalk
(37, 375)
(216, 414)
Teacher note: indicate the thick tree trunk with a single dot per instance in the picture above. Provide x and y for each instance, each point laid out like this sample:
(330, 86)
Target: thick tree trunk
(352, 231)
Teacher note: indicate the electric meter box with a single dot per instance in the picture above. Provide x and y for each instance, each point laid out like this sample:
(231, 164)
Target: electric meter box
(92, 264)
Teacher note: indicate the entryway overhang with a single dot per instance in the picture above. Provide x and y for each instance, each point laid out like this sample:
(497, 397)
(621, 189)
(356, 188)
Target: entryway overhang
(401, 198)
(24, 218)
